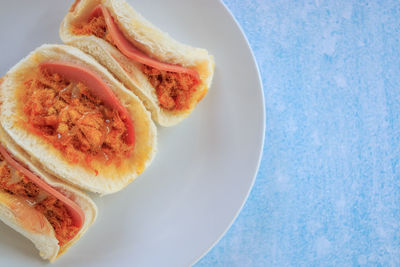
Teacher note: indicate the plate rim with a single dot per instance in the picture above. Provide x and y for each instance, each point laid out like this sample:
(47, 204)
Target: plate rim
(261, 148)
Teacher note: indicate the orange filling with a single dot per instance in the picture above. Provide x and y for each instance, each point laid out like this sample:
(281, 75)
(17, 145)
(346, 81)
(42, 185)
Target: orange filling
(15, 183)
(174, 90)
(73, 120)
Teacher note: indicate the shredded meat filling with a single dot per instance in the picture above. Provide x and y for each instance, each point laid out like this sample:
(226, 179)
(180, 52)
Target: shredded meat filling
(96, 26)
(73, 120)
(174, 90)
(57, 214)
(15, 183)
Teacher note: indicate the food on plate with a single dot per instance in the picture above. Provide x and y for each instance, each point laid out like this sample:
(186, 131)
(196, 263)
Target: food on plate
(169, 77)
(49, 213)
(75, 120)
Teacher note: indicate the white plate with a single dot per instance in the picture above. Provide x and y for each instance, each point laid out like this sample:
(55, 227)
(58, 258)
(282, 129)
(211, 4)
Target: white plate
(205, 166)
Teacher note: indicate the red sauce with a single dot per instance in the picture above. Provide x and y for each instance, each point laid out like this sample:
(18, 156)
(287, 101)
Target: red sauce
(77, 123)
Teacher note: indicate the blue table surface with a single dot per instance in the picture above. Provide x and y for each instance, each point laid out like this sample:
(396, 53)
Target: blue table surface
(328, 189)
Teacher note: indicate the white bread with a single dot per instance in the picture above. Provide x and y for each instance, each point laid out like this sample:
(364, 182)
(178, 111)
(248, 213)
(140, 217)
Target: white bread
(150, 40)
(46, 243)
(110, 178)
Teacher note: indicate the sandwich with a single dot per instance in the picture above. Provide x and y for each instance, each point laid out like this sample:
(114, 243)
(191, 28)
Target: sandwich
(51, 214)
(168, 76)
(75, 121)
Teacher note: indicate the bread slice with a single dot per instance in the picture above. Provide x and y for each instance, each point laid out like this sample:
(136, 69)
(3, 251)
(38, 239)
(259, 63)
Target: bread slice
(110, 178)
(44, 240)
(151, 41)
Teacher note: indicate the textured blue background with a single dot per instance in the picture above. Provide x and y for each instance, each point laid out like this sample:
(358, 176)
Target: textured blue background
(328, 189)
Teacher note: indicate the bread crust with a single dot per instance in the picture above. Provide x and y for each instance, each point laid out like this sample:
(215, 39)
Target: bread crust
(46, 243)
(110, 178)
(150, 40)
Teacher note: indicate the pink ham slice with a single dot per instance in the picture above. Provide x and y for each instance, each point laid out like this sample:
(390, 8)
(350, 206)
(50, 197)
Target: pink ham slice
(76, 213)
(130, 51)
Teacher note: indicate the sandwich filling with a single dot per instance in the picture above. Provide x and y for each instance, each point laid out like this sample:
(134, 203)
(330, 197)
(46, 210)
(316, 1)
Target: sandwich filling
(174, 85)
(16, 184)
(74, 120)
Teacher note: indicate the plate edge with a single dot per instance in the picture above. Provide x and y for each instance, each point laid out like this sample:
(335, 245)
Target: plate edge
(260, 153)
